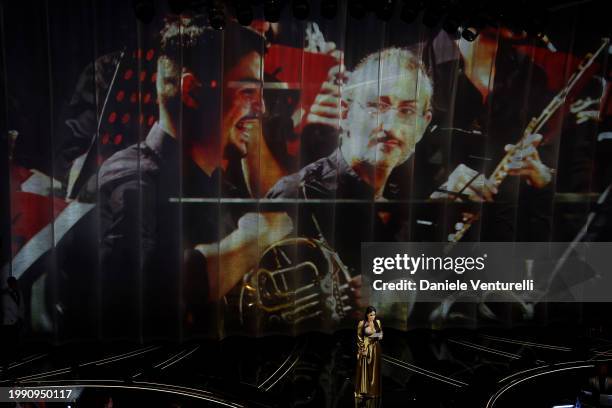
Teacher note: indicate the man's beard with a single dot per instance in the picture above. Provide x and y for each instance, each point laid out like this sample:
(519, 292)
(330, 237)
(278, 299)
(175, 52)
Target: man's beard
(380, 160)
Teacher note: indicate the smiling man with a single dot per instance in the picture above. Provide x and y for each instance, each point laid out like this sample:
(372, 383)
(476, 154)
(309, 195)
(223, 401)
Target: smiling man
(243, 103)
(164, 261)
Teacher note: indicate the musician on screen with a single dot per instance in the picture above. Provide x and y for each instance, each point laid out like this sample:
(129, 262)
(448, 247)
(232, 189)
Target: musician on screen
(388, 107)
(186, 269)
(500, 89)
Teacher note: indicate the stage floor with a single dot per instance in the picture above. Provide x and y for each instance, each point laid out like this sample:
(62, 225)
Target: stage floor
(530, 367)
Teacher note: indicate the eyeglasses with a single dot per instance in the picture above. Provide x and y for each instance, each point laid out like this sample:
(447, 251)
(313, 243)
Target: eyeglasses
(374, 109)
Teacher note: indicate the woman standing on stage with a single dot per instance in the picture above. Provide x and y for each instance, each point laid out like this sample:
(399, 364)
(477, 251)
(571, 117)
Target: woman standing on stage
(369, 334)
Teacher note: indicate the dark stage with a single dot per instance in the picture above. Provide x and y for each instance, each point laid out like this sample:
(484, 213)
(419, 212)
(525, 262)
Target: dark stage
(531, 367)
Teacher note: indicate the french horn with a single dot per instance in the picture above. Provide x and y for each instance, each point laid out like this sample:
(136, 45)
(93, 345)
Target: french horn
(297, 280)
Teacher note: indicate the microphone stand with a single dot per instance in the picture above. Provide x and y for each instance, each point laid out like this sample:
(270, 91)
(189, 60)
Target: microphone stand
(90, 158)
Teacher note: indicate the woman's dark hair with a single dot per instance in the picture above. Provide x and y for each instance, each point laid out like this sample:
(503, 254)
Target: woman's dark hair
(369, 310)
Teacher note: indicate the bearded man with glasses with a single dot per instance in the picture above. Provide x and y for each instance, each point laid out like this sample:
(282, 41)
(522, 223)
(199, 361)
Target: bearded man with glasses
(385, 109)
(388, 107)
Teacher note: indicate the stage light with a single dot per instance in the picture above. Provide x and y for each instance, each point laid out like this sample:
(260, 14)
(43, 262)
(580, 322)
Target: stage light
(244, 12)
(301, 9)
(329, 8)
(272, 10)
(216, 15)
(384, 11)
(357, 9)
(144, 10)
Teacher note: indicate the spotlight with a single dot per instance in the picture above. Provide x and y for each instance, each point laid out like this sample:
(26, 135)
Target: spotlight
(144, 10)
(272, 10)
(384, 11)
(244, 12)
(357, 9)
(301, 9)
(470, 33)
(329, 8)
(216, 15)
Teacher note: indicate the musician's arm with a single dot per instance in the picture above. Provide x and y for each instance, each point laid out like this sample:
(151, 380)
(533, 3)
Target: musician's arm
(228, 260)
(524, 162)
(468, 184)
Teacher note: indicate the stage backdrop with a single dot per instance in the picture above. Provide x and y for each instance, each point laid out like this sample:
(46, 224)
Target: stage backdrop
(170, 180)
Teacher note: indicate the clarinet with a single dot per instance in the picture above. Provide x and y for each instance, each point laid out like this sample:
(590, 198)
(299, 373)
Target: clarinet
(534, 126)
